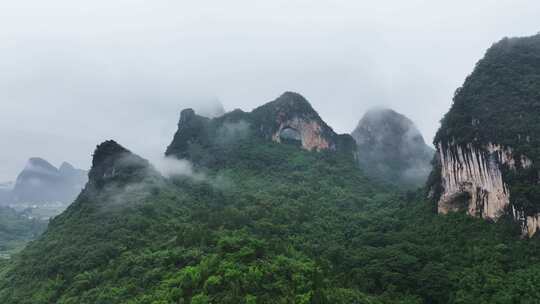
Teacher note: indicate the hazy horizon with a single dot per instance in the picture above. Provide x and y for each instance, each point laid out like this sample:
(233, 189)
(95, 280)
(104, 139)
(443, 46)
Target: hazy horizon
(75, 74)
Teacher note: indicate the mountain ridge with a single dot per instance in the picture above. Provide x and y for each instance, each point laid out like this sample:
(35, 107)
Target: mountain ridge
(40, 183)
(268, 220)
(288, 119)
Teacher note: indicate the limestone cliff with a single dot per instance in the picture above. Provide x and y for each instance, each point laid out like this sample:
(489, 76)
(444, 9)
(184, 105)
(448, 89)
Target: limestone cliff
(309, 133)
(487, 149)
(476, 172)
(473, 180)
(289, 119)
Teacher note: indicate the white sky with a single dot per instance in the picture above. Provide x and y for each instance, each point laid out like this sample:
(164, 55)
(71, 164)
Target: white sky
(75, 73)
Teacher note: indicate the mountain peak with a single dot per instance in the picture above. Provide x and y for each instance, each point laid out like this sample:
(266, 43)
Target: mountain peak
(381, 113)
(390, 147)
(112, 162)
(288, 104)
(39, 164)
(107, 150)
(66, 167)
(386, 122)
(292, 98)
(487, 143)
(40, 182)
(192, 129)
(186, 115)
(290, 118)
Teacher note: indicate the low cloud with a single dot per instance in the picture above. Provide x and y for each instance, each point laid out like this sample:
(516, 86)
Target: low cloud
(171, 167)
(232, 131)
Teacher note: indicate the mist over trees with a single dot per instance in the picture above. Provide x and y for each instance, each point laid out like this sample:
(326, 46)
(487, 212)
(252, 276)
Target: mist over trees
(255, 196)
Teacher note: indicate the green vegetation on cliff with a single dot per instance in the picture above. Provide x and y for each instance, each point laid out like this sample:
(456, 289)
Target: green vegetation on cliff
(207, 142)
(499, 103)
(274, 224)
(262, 222)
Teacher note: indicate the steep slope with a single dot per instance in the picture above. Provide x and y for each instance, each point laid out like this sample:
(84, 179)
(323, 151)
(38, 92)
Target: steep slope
(130, 220)
(488, 148)
(268, 223)
(392, 149)
(16, 229)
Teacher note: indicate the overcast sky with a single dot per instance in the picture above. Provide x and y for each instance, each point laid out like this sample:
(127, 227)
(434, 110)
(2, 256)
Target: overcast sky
(75, 73)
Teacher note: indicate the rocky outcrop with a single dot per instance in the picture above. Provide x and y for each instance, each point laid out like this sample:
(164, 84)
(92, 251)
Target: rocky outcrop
(113, 163)
(488, 144)
(289, 119)
(308, 133)
(472, 180)
(192, 129)
(530, 224)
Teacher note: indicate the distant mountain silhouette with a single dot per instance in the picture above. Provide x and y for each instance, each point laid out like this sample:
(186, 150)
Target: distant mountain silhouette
(40, 182)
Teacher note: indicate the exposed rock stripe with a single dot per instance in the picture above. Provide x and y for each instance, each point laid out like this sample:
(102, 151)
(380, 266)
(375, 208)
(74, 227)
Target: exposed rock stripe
(473, 176)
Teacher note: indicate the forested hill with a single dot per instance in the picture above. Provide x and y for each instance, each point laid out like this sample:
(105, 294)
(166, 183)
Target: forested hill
(288, 119)
(500, 101)
(492, 128)
(392, 149)
(269, 221)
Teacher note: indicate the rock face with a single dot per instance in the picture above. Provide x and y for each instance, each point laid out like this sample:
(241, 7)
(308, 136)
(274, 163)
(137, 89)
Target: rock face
(487, 146)
(473, 179)
(114, 163)
(476, 174)
(40, 182)
(289, 119)
(192, 129)
(118, 178)
(309, 134)
(391, 148)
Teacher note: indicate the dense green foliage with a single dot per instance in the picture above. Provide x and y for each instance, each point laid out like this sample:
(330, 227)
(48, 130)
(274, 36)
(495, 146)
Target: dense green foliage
(269, 224)
(504, 85)
(262, 222)
(500, 103)
(16, 230)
